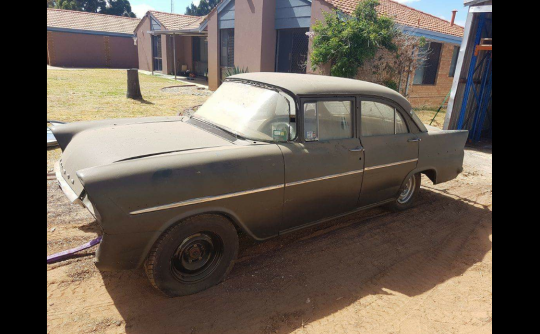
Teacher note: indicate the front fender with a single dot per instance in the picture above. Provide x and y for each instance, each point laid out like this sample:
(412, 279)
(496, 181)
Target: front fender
(121, 191)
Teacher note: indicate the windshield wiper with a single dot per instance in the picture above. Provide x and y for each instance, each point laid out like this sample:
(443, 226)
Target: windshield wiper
(237, 136)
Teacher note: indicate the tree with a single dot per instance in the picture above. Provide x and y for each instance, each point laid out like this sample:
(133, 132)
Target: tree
(69, 4)
(204, 7)
(51, 3)
(368, 47)
(348, 42)
(110, 7)
(119, 8)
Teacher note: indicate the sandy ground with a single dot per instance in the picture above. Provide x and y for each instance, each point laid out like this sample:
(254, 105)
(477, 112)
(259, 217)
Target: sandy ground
(427, 270)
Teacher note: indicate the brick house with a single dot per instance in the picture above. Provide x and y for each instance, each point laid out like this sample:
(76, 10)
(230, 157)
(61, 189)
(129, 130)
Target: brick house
(88, 40)
(171, 43)
(270, 36)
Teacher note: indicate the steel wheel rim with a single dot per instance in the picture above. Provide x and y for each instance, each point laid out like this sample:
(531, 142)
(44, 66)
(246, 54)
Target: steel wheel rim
(407, 191)
(197, 257)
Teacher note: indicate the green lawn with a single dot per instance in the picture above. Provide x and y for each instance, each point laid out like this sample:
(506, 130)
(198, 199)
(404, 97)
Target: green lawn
(427, 115)
(93, 94)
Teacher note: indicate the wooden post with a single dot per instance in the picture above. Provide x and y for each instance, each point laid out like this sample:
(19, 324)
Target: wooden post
(133, 87)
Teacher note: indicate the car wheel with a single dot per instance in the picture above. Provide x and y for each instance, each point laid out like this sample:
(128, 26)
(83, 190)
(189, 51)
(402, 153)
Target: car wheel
(193, 255)
(407, 193)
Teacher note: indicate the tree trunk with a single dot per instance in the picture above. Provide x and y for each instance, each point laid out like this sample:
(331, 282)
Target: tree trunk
(133, 87)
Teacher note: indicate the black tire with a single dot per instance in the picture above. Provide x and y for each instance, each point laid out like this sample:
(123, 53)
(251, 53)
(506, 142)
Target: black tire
(208, 241)
(398, 204)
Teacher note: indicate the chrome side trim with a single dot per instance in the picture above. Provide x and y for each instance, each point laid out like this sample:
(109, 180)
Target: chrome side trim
(390, 165)
(205, 199)
(241, 193)
(290, 184)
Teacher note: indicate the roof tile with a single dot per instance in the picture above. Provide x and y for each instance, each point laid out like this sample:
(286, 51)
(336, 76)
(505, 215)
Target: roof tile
(404, 15)
(177, 21)
(69, 19)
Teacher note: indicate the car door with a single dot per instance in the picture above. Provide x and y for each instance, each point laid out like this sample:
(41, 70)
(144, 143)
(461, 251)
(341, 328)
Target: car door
(391, 150)
(324, 166)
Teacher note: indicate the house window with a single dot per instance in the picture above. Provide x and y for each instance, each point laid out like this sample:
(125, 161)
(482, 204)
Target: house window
(454, 61)
(154, 25)
(200, 55)
(227, 47)
(157, 58)
(157, 53)
(200, 49)
(328, 120)
(428, 67)
(381, 120)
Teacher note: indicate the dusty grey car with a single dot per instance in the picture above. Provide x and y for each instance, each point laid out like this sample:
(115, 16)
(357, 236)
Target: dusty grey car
(267, 154)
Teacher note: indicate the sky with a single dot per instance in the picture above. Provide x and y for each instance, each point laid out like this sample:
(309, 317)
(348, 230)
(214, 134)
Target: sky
(440, 8)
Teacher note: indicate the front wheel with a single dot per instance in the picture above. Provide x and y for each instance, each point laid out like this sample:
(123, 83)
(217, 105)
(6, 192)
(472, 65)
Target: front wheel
(407, 194)
(193, 255)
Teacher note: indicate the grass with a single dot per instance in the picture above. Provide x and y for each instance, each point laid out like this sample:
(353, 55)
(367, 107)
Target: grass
(94, 94)
(82, 95)
(427, 115)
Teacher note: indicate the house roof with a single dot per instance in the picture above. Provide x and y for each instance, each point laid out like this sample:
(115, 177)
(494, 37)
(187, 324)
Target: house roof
(404, 15)
(75, 20)
(176, 21)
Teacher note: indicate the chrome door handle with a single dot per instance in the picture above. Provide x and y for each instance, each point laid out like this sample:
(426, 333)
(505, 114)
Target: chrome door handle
(414, 140)
(358, 149)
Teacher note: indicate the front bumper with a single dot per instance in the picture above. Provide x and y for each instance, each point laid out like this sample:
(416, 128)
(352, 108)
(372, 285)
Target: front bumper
(66, 189)
(70, 194)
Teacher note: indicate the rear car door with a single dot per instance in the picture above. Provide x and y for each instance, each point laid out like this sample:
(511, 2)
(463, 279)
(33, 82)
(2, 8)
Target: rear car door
(323, 168)
(391, 150)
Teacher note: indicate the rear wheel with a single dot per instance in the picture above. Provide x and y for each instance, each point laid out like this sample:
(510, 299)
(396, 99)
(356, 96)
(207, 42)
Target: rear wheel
(193, 255)
(407, 194)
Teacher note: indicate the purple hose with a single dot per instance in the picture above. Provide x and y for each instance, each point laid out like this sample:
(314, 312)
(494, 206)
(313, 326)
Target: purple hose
(67, 253)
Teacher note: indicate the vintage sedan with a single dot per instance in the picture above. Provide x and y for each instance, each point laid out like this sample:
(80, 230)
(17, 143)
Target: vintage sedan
(267, 154)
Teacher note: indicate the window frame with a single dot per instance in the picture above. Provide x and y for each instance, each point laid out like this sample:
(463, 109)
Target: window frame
(304, 100)
(411, 125)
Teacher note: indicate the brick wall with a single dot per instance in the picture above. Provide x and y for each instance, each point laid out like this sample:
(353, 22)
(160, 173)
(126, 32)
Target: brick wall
(144, 45)
(90, 51)
(432, 96)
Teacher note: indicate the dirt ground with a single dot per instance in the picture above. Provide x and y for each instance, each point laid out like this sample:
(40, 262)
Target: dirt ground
(426, 270)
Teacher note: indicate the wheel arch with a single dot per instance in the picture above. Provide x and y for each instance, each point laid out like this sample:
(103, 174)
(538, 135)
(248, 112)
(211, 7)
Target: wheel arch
(232, 217)
(430, 172)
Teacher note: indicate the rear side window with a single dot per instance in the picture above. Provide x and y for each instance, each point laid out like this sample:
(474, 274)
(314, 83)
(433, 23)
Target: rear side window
(401, 126)
(328, 120)
(379, 119)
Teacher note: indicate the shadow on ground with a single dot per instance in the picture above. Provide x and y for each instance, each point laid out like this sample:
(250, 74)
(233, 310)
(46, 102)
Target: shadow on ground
(278, 285)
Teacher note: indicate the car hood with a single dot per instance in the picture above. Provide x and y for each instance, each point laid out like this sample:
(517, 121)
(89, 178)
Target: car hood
(86, 145)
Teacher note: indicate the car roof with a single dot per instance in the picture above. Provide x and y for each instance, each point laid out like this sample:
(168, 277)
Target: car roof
(310, 84)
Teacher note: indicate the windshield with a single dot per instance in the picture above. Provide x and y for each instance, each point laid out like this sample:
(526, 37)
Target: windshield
(251, 112)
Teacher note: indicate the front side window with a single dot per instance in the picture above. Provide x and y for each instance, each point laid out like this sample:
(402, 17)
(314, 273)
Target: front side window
(328, 120)
(379, 119)
(251, 112)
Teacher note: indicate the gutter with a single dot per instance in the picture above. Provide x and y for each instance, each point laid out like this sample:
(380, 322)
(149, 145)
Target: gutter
(90, 32)
(183, 32)
(431, 35)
